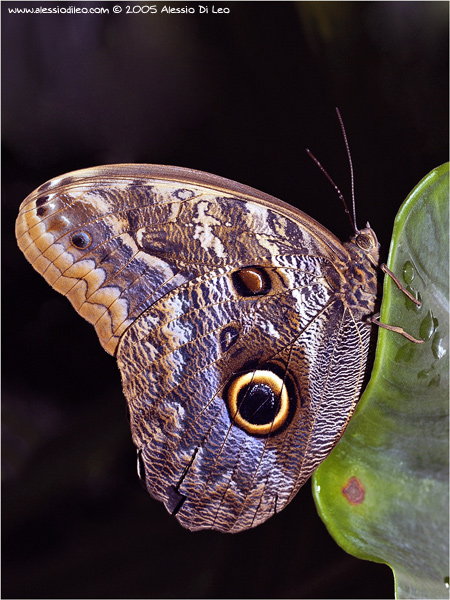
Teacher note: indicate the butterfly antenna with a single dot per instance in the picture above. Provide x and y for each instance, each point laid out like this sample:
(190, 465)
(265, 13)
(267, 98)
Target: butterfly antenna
(351, 169)
(341, 196)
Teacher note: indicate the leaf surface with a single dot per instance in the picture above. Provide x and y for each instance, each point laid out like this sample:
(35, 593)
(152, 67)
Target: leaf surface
(383, 491)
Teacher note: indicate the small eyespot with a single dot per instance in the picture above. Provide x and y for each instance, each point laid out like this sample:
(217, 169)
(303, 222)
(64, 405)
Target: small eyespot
(81, 240)
(251, 281)
(228, 336)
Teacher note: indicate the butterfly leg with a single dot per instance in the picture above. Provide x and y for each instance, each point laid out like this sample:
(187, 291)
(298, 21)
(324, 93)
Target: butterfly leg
(401, 287)
(399, 284)
(399, 330)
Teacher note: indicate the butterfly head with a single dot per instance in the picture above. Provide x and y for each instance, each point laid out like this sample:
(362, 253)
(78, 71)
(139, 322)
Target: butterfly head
(367, 241)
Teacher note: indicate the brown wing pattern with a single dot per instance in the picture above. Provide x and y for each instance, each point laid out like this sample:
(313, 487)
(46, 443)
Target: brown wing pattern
(235, 320)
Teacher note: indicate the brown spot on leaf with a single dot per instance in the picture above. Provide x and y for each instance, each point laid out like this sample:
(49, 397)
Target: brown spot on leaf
(354, 491)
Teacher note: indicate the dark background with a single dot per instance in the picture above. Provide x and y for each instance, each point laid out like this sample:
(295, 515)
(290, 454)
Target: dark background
(240, 95)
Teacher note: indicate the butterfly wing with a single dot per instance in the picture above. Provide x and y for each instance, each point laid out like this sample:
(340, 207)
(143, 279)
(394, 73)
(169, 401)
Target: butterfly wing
(241, 358)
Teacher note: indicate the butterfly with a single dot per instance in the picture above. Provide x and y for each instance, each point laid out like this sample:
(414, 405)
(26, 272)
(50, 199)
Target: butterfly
(240, 326)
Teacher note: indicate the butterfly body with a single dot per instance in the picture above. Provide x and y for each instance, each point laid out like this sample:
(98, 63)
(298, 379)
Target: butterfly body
(237, 322)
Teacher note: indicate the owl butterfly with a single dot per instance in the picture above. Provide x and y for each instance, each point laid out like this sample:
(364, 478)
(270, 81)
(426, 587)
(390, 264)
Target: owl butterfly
(237, 321)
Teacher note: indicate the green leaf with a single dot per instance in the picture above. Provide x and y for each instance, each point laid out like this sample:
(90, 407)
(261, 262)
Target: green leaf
(383, 491)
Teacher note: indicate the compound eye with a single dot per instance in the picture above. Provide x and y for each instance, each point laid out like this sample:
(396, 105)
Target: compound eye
(365, 241)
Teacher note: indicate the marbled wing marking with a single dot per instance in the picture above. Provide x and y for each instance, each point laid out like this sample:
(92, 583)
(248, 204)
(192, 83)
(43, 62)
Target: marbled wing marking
(290, 465)
(151, 396)
(106, 282)
(336, 381)
(141, 242)
(310, 426)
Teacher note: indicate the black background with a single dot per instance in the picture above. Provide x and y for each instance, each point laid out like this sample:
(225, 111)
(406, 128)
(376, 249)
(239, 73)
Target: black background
(240, 95)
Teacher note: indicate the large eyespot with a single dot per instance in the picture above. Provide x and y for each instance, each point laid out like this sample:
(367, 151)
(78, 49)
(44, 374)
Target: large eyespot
(251, 281)
(259, 402)
(81, 240)
(228, 336)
